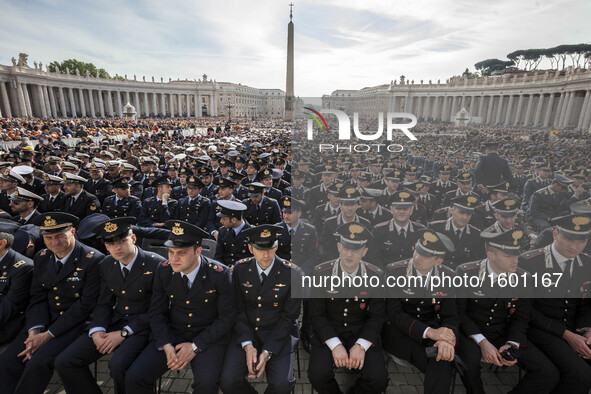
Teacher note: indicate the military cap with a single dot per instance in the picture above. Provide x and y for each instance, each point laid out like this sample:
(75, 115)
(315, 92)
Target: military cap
(506, 207)
(562, 180)
(23, 170)
(427, 180)
(240, 159)
(85, 228)
(355, 167)
(185, 171)
(204, 171)
(54, 160)
(335, 188)
(365, 176)
(288, 203)
(266, 173)
(235, 175)
(72, 178)
(22, 194)
(432, 243)
(225, 182)
(297, 174)
(581, 207)
(395, 176)
(544, 166)
(95, 166)
(402, 199)
(509, 241)
(75, 160)
(192, 180)
(184, 235)
(446, 169)
(466, 203)
(8, 226)
(465, 177)
(412, 170)
(253, 163)
(172, 166)
(161, 180)
(113, 230)
(255, 188)
(233, 153)
(278, 161)
(144, 161)
(368, 194)
(574, 226)
(415, 187)
(353, 235)
(10, 175)
(225, 163)
(54, 222)
(214, 157)
(230, 208)
(121, 183)
(580, 173)
(263, 237)
(502, 187)
(67, 165)
(127, 167)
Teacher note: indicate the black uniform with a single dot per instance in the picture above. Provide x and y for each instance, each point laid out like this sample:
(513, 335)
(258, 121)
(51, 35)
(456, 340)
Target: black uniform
(126, 206)
(328, 240)
(468, 247)
(274, 193)
(266, 212)
(122, 303)
(231, 247)
(483, 216)
(381, 215)
(348, 318)
(203, 315)
(209, 191)
(530, 187)
(86, 204)
(49, 204)
(240, 193)
(301, 247)
(178, 192)
(197, 211)
(267, 317)
(319, 194)
(321, 213)
(154, 211)
(101, 188)
(388, 245)
(60, 302)
(440, 189)
(15, 282)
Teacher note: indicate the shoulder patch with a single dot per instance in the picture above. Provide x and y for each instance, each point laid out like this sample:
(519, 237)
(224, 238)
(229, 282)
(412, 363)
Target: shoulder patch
(89, 255)
(165, 263)
(216, 268)
(43, 252)
(324, 266)
(19, 263)
(379, 225)
(374, 268)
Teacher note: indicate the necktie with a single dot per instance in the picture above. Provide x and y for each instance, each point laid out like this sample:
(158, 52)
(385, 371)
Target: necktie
(21, 221)
(59, 265)
(72, 201)
(263, 277)
(116, 201)
(51, 199)
(186, 282)
(459, 234)
(125, 272)
(567, 268)
(291, 232)
(402, 233)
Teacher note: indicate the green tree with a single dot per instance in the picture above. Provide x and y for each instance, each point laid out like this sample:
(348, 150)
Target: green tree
(489, 65)
(73, 65)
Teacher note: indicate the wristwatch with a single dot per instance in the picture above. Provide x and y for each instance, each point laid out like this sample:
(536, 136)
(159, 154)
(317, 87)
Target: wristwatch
(195, 348)
(124, 333)
(268, 353)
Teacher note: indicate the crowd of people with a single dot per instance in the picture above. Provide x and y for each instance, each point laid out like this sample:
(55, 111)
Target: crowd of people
(166, 250)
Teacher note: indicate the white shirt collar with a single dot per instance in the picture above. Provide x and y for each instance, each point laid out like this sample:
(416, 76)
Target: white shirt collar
(239, 228)
(128, 266)
(267, 271)
(345, 273)
(560, 259)
(193, 274)
(65, 259)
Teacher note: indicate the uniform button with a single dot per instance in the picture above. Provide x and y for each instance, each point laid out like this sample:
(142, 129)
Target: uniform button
(347, 300)
(259, 298)
(188, 325)
(126, 308)
(256, 328)
(490, 318)
(345, 324)
(488, 324)
(57, 298)
(190, 315)
(171, 296)
(122, 291)
(61, 312)
(206, 300)
(57, 304)
(345, 310)
(55, 288)
(258, 319)
(187, 302)
(492, 310)
(259, 305)
(344, 314)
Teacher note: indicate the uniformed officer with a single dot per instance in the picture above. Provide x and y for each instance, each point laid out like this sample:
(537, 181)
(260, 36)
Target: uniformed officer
(97, 184)
(370, 209)
(16, 273)
(232, 244)
(180, 190)
(443, 184)
(298, 240)
(318, 194)
(122, 203)
(550, 202)
(240, 191)
(194, 208)
(468, 245)
(209, 189)
(192, 312)
(65, 287)
(137, 188)
(494, 318)
(24, 204)
(266, 331)
(9, 180)
(420, 317)
(505, 213)
(395, 239)
(260, 209)
(546, 237)
(329, 209)
(483, 216)
(160, 208)
(561, 323)
(539, 182)
(120, 323)
(298, 190)
(347, 320)
(54, 198)
(78, 202)
(464, 180)
(266, 178)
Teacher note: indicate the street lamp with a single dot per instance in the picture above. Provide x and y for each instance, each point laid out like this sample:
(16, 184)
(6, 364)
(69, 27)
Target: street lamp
(253, 109)
(229, 105)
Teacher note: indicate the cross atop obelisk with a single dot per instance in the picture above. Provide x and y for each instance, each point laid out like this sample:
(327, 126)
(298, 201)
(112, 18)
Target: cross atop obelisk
(289, 95)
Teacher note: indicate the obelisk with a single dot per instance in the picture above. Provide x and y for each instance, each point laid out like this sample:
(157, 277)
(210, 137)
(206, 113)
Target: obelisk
(289, 96)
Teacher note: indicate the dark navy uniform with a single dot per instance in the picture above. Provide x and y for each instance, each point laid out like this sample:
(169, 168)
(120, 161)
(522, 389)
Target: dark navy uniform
(196, 211)
(209, 191)
(321, 213)
(467, 247)
(16, 274)
(267, 317)
(388, 245)
(122, 305)
(301, 247)
(266, 212)
(52, 204)
(230, 247)
(440, 189)
(483, 216)
(240, 192)
(178, 192)
(61, 302)
(86, 204)
(101, 188)
(546, 204)
(530, 187)
(154, 211)
(380, 215)
(122, 207)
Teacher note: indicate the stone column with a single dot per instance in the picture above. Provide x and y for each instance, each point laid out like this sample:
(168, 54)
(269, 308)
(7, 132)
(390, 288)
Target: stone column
(480, 113)
(52, 104)
(127, 100)
(101, 103)
(454, 108)
(539, 106)
(41, 102)
(146, 108)
(463, 103)
(518, 112)
(21, 100)
(91, 103)
(427, 107)
(530, 104)
(82, 105)
(509, 111)
(569, 109)
(119, 104)
(548, 111)
(110, 110)
(28, 102)
(587, 117)
(62, 101)
(72, 102)
(558, 112)
(489, 109)
(154, 104)
(162, 105)
(213, 103)
(445, 111)
(584, 109)
(420, 105)
(499, 110)
(171, 105)
(5, 100)
(180, 104)
(188, 99)
(436, 105)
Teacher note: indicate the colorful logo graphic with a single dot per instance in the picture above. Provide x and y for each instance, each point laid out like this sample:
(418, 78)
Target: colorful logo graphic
(316, 115)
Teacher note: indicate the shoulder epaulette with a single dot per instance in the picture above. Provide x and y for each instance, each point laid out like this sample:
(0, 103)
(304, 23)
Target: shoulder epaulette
(324, 266)
(374, 268)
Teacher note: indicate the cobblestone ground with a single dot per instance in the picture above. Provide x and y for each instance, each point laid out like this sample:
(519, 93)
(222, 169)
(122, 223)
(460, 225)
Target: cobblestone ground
(402, 380)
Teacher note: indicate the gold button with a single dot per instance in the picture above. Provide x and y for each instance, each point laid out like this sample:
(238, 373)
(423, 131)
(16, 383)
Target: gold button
(259, 298)
(122, 291)
(345, 310)
(55, 288)
(188, 325)
(206, 300)
(61, 312)
(57, 304)
(190, 315)
(276, 296)
(171, 296)
(126, 308)
(258, 319)
(259, 305)
(344, 314)
(57, 298)
(188, 302)
(245, 291)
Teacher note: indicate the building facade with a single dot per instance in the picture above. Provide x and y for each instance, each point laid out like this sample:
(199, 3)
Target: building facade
(33, 92)
(551, 99)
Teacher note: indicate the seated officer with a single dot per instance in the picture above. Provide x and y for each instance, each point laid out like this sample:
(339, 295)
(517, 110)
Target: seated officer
(484, 214)
(266, 331)
(420, 317)
(260, 209)
(494, 319)
(16, 273)
(194, 208)
(232, 244)
(158, 209)
(24, 204)
(53, 199)
(122, 204)
(191, 315)
(346, 323)
(120, 324)
(505, 213)
(65, 287)
(552, 201)
(78, 202)
(561, 321)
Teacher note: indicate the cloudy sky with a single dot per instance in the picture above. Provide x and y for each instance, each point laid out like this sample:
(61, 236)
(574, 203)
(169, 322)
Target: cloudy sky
(344, 44)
